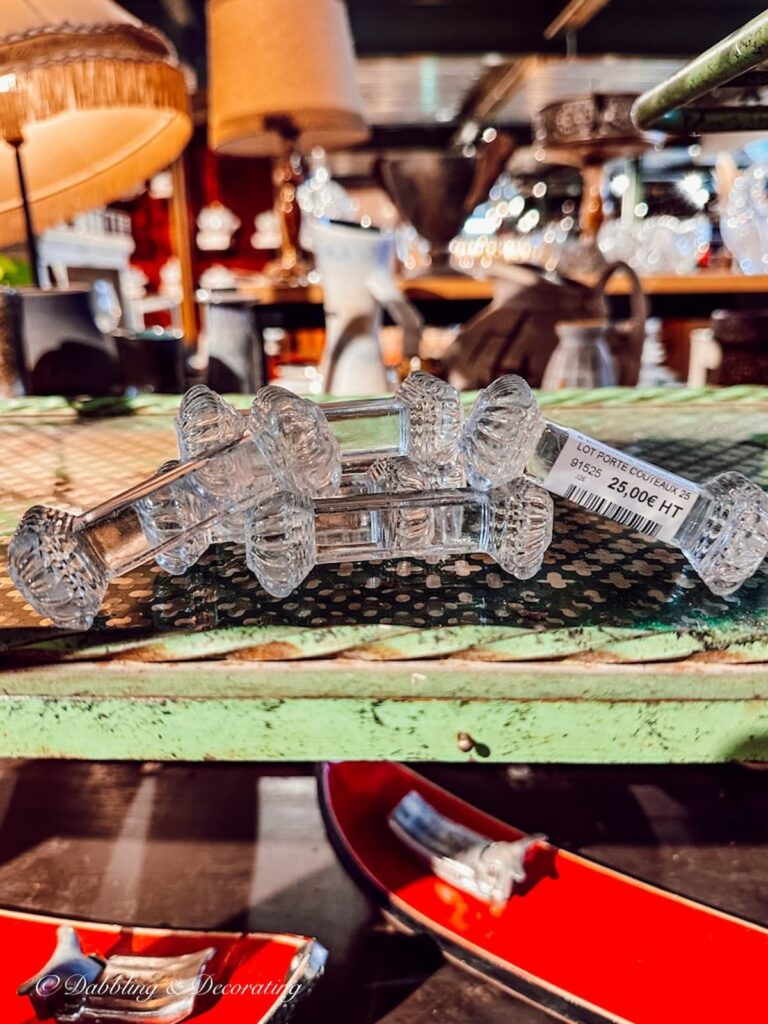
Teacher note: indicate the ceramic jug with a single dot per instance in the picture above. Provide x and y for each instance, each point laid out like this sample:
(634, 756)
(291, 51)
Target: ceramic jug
(516, 333)
(355, 265)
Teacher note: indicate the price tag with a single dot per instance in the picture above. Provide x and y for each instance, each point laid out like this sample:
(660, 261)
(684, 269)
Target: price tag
(616, 486)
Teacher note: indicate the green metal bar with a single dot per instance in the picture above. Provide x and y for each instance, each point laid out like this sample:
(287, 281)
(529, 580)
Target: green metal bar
(708, 120)
(742, 51)
(406, 711)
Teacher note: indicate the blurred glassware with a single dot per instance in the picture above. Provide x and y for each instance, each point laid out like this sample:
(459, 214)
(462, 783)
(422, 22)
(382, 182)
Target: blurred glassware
(105, 305)
(551, 247)
(529, 218)
(170, 279)
(217, 224)
(135, 283)
(657, 245)
(725, 172)
(757, 149)
(323, 197)
(412, 250)
(320, 196)
(744, 220)
(300, 378)
(653, 372)
(267, 233)
(161, 185)
(217, 277)
(582, 358)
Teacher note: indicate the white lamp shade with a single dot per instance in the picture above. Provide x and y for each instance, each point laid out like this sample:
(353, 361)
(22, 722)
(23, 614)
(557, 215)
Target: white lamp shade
(290, 60)
(99, 100)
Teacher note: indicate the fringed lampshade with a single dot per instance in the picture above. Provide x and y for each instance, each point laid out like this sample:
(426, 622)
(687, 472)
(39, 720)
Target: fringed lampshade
(98, 99)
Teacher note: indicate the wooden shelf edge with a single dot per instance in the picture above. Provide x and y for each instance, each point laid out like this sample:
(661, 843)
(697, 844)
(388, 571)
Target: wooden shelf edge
(475, 289)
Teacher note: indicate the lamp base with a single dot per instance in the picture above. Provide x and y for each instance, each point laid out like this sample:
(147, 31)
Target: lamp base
(290, 269)
(282, 274)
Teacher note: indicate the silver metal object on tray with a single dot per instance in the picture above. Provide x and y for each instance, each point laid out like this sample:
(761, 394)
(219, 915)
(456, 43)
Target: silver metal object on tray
(73, 988)
(464, 858)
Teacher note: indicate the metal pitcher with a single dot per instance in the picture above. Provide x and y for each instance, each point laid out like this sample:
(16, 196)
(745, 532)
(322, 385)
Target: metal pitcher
(516, 332)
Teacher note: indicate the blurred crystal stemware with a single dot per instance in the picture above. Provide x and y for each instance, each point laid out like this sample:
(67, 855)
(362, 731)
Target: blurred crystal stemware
(657, 245)
(744, 222)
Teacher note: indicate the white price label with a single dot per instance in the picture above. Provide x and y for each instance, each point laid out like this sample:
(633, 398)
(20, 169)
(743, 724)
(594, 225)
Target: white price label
(627, 490)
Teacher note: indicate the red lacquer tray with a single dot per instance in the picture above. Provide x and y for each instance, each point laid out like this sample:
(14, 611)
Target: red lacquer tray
(262, 974)
(580, 940)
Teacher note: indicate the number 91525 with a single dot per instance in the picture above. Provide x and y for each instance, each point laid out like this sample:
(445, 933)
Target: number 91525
(586, 467)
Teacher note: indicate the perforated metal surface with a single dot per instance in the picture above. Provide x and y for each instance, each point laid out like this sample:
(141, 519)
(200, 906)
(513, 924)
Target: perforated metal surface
(600, 584)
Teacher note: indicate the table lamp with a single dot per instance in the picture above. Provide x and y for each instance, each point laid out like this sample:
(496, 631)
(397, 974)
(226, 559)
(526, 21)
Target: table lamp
(92, 102)
(282, 80)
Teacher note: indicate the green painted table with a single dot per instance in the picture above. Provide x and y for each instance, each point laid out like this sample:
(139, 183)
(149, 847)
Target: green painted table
(614, 653)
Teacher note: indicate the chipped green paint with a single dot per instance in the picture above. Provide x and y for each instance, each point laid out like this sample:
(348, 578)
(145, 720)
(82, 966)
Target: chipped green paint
(407, 711)
(57, 408)
(257, 643)
(383, 642)
(739, 52)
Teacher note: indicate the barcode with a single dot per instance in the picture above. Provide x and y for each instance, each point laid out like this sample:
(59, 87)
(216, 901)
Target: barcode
(612, 510)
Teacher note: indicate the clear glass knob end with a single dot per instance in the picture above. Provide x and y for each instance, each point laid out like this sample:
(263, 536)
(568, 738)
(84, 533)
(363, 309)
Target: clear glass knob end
(731, 540)
(501, 434)
(54, 568)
